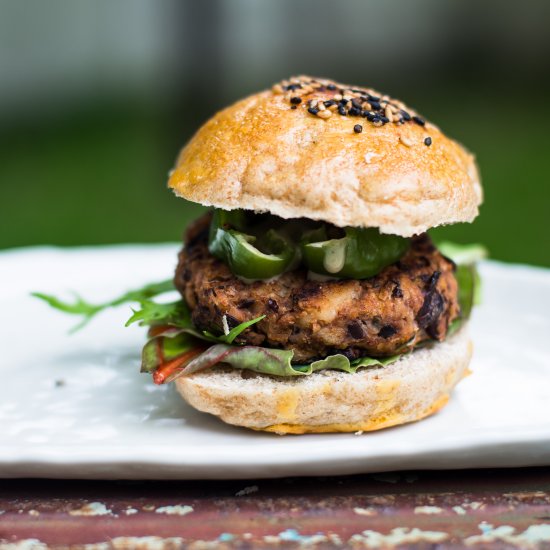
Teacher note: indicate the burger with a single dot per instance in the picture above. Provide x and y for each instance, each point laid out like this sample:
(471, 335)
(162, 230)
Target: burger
(312, 298)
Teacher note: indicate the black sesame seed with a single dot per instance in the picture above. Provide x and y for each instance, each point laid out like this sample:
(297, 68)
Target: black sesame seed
(356, 103)
(405, 115)
(331, 87)
(384, 119)
(292, 87)
(428, 141)
(342, 110)
(371, 117)
(343, 101)
(313, 110)
(358, 128)
(375, 105)
(373, 98)
(293, 106)
(295, 100)
(419, 121)
(354, 111)
(329, 102)
(272, 305)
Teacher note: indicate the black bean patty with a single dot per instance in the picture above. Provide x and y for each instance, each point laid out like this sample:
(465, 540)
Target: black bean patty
(408, 302)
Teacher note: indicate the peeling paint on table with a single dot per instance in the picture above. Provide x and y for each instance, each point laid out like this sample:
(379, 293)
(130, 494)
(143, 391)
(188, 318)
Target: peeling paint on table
(476, 509)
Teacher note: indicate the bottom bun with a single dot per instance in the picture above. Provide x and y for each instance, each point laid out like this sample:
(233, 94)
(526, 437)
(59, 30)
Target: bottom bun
(415, 386)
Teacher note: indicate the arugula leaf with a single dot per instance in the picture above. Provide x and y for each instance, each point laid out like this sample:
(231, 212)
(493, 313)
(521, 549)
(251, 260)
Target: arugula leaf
(467, 277)
(175, 314)
(234, 332)
(88, 310)
(463, 254)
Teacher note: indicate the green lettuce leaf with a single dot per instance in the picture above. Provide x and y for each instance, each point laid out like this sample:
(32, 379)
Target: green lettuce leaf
(274, 362)
(165, 347)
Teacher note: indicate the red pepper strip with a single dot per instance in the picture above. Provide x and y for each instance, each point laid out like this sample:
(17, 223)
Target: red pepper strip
(165, 370)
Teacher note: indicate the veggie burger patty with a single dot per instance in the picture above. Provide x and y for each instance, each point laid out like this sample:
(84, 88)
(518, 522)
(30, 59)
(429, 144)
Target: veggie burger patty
(409, 301)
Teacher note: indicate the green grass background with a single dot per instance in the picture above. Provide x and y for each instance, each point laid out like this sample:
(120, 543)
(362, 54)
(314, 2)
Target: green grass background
(97, 174)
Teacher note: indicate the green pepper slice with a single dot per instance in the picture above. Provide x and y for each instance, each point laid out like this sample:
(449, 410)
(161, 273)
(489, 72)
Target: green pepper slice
(237, 249)
(362, 253)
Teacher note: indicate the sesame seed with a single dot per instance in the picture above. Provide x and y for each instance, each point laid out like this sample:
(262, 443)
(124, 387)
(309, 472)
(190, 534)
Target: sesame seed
(428, 141)
(358, 128)
(324, 98)
(406, 141)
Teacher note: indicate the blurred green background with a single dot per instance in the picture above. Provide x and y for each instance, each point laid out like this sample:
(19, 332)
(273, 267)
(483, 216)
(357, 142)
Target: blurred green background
(96, 99)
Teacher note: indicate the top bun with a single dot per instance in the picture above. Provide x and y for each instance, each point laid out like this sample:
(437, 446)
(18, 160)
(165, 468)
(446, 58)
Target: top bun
(313, 148)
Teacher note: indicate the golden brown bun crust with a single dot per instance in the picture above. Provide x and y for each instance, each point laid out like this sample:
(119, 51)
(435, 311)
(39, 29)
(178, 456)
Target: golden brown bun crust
(417, 385)
(261, 154)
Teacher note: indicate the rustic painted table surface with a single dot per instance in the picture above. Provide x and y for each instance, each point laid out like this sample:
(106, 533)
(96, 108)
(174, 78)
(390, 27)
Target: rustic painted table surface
(445, 509)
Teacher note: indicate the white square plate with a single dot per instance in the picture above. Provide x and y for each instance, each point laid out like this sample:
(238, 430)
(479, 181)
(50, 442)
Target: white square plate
(76, 406)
